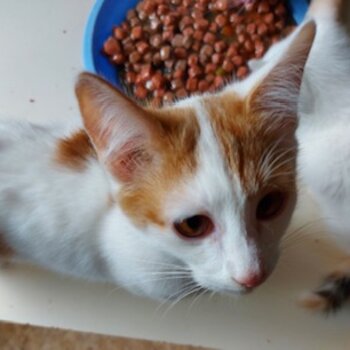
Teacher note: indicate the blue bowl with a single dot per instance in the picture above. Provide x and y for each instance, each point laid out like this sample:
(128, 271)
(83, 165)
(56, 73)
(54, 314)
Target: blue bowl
(106, 14)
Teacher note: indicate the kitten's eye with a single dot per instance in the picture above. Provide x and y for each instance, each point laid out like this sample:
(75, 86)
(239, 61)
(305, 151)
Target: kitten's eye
(270, 205)
(196, 226)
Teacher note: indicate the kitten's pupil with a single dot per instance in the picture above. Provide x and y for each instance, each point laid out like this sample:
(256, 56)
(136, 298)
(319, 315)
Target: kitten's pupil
(194, 222)
(196, 226)
(270, 205)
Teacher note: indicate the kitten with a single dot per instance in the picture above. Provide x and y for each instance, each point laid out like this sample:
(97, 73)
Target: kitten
(323, 136)
(162, 202)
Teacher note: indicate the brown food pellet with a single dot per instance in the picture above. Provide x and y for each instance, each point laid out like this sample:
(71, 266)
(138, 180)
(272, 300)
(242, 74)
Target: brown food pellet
(168, 97)
(209, 38)
(203, 85)
(118, 58)
(119, 33)
(216, 58)
(242, 72)
(168, 49)
(140, 91)
(228, 66)
(111, 46)
(221, 20)
(136, 33)
(220, 46)
(142, 47)
(180, 52)
(134, 57)
(191, 84)
(156, 40)
(181, 93)
(263, 7)
(165, 52)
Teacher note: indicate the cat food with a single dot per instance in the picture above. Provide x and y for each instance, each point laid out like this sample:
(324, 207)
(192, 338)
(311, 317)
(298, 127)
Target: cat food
(169, 49)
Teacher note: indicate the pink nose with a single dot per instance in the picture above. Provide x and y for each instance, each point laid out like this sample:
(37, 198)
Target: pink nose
(252, 280)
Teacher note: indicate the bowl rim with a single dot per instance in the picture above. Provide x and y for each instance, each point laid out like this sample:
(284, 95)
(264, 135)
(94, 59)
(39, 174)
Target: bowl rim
(89, 54)
(88, 44)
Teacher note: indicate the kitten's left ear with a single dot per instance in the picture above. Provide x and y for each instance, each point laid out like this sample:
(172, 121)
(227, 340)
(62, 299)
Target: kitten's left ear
(278, 93)
(120, 130)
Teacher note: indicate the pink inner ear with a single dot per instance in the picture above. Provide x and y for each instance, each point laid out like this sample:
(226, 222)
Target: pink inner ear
(130, 159)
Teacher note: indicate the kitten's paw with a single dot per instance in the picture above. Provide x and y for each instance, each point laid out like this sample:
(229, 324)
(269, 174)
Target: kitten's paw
(333, 292)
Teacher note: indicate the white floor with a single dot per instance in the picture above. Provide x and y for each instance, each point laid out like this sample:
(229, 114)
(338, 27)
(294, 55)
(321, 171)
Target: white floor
(40, 56)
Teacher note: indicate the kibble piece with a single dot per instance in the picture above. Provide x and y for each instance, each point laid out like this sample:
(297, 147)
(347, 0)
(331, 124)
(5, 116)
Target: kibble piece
(119, 33)
(111, 46)
(181, 93)
(263, 7)
(201, 24)
(242, 72)
(165, 52)
(219, 81)
(280, 10)
(220, 46)
(262, 29)
(222, 5)
(216, 58)
(156, 40)
(269, 18)
(168, 97)
(180, 52)
(221, 20)
(251, 28)
(140, 92)
(118, 58)
(130, 77)
(210, 68)
(142, 47)
(146, 72)
(209, 38)
(134, 57)
(194, 71)
(191, 84)
(176, 84)
(228, 66)
(237, 60)
(179, 74)
(203, 85)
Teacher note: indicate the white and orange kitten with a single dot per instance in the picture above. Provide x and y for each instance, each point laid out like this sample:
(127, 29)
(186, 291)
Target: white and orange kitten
(162, 202)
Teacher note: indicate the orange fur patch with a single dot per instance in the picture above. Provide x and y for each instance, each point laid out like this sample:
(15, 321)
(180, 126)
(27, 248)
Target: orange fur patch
(75, 150)
(175, 144)
(245, 139)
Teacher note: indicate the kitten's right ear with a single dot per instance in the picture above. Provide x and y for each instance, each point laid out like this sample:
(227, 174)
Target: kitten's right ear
(119, 129)
(278, 93)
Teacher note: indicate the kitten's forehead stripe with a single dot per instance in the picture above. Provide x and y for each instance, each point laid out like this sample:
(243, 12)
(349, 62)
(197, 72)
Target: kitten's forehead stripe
(243, 139)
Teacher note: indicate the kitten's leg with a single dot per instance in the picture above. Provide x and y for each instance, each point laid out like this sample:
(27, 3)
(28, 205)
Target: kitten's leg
(333, 293)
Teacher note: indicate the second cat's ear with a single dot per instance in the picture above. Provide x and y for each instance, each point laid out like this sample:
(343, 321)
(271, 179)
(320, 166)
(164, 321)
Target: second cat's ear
(278, 93)
(120, 130)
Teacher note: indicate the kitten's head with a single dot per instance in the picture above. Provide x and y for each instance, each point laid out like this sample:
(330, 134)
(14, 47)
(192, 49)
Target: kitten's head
(212, 179)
